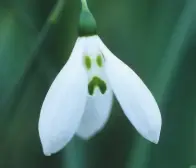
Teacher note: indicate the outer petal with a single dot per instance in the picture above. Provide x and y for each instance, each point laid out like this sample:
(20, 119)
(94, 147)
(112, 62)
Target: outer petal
(134, 97)
(96, 114)
(64, 104)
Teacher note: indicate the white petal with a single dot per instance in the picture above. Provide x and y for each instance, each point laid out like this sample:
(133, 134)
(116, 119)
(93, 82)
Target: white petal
(64, 104)
(134, 97)
(96, 114)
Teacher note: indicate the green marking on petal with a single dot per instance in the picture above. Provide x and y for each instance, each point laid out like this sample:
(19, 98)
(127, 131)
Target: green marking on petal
(87, 62)
(102, 86)
(97, 82)
(99, 61)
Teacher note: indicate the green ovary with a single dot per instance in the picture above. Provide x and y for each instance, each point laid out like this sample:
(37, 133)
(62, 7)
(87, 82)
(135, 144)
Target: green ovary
(96, 82)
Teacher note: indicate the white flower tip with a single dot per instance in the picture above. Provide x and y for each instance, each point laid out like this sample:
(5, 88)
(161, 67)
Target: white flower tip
(153, 134)
(46, 147)
(46, 150)
(85, 137)
(49, 148)
(46, 153)
(50, 143)
(45, 142)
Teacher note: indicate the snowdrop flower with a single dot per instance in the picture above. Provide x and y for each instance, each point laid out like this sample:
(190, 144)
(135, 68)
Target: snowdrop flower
(79, 100)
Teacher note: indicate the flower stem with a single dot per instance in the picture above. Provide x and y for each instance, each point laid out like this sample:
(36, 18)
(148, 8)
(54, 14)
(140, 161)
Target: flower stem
(84, 4)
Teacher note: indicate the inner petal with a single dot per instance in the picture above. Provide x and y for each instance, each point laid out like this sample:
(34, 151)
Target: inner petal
(93, 62)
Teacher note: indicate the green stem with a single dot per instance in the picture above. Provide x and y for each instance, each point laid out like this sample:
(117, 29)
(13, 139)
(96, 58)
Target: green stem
(84, 4)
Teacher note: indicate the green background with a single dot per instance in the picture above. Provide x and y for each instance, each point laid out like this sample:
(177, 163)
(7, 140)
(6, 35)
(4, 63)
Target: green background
(157, 38)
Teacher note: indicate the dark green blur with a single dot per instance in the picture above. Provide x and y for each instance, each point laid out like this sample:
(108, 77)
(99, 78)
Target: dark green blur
(157, 38)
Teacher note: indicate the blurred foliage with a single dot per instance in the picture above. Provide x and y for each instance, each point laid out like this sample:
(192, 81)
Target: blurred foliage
(156, 38)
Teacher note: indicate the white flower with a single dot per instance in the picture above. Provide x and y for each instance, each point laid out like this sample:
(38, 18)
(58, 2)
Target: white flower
(80, 98)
